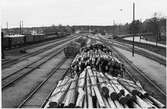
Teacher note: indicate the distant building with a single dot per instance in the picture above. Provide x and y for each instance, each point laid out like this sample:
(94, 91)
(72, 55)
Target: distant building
(37, 32)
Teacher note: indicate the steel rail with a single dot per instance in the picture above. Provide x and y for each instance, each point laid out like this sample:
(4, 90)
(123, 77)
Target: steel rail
(20, 74)
(136, 68)
(10, 79)
(41, 84)
(12, 62)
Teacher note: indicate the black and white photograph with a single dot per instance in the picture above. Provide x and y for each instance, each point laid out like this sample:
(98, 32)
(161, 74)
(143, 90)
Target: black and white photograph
(83, 54)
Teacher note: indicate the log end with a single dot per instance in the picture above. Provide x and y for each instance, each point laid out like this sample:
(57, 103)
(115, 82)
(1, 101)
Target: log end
(53, 105)
(113, 96)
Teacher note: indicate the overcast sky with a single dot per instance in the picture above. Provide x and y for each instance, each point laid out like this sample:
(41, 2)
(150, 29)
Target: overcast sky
(76, 12)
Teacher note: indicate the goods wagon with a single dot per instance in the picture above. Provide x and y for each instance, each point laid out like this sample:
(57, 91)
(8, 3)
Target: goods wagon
(5, 42)
(49, 37)
(10, 41)
(17, 41)
(29, 39)
(72, 49)
(36, 38)
(41, 37)
(95, 80)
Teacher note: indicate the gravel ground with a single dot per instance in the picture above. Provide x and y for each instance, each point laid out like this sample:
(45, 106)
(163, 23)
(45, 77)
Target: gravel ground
(15, 94)
(158, 50)
(152, 69)
(26, 62)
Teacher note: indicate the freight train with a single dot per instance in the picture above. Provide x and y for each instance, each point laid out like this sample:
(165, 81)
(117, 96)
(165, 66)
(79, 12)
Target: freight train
(96, 80)
(20, 40)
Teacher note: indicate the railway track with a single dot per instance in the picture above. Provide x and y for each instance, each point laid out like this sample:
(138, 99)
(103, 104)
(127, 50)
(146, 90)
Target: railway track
(15, 76)
(6, 64)
(140, 52)
(47, 84)
(137, 74)
(157, 49)
(18, 74)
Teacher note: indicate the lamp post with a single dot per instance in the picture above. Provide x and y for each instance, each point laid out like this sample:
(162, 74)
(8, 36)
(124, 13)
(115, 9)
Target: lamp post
(119, 26)
(133, 34)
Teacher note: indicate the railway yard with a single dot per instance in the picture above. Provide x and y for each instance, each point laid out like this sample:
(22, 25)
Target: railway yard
(44, 77)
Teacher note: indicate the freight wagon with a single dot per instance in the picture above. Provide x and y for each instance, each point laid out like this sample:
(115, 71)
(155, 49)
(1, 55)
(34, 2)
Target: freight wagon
(10, 41)
(5, 42)
(19, 40)
(29, 39)
(96, 81)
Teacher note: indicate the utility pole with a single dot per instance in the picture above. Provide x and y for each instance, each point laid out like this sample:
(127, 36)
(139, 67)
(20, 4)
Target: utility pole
(7, 27)
(2, 49)
(20, 27)
(120, 22)
(133, 33)
(113, 28)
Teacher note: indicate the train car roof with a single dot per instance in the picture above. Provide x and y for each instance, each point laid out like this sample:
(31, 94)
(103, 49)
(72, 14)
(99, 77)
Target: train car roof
(16, 35)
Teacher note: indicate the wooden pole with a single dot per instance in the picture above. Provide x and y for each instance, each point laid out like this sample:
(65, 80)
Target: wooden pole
(133, 34)
(94, 99)
(123, 95)
(118, 105)
(156, 102)
(89, 93)
(2, 47)
(141, 103)
(71, 94)
(60, 94)
(81, 92)
(106, 102)
(112, 105)
(85, 103)
(98, 95)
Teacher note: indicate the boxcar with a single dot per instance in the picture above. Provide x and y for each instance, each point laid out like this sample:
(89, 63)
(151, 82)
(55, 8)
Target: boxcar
(17, 41)
(49, 37)
(36, 38)
(41, 37)
(5, 42)
(29, 39)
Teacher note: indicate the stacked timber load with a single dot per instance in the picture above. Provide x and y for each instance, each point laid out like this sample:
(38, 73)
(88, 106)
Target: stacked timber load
(72, 49)
(99, 57)
(93, 86)
(93, 89)
(82, 41)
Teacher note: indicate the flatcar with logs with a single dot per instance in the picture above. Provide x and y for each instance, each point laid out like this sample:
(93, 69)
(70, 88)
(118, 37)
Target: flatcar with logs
(95, 80)
(12, 41)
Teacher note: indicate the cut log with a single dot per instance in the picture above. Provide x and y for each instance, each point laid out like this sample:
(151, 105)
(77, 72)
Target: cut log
(98, 95)
(72, 49)
(106, 102)
(55, 93)
(89, 94)
(156, 102)
(59, 96)
(118, 104)
(111, 103)
(122, 96)
(85, 103)
(94, 99)
(136, 106)
(104, 88)
(113, 90)
(81, 92)
(142, 103)
(149, 103)
(71, 94)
